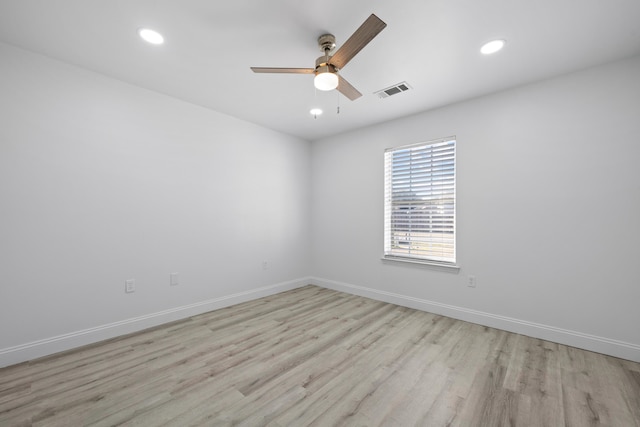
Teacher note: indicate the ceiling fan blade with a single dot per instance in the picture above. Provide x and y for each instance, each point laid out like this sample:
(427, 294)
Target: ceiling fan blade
(283, 70)
(345, 88)
(363, 35)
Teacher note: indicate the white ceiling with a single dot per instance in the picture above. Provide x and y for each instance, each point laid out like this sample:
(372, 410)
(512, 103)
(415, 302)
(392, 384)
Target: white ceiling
(431, 44)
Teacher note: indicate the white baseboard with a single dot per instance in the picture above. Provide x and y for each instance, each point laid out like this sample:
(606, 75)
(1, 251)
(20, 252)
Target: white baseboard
(48, 346)
(594, 343)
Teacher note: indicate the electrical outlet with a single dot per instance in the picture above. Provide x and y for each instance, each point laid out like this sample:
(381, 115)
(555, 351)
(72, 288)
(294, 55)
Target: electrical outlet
(129, 286)
(471, 281)
(174, 279)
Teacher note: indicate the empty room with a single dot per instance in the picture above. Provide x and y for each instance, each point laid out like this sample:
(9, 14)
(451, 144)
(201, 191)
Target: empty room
(297, 213)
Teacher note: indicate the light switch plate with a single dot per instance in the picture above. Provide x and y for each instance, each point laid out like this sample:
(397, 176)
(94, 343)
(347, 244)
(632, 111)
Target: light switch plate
(174, 279)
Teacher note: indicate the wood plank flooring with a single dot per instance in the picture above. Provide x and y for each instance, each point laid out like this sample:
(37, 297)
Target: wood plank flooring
(316, 357)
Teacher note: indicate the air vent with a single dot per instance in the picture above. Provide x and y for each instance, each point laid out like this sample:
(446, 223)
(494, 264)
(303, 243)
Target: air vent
(393, 90)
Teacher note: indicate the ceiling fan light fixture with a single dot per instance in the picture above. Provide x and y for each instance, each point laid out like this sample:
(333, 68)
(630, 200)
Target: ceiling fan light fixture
(325, 80)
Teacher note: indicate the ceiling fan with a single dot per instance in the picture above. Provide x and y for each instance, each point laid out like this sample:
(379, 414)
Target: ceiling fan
(327, 66)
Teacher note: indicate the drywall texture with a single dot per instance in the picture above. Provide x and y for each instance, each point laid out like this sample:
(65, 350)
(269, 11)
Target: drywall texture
(101, 182)
(548, 193)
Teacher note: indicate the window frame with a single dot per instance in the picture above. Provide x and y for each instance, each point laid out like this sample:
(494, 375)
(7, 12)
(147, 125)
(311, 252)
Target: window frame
(427, 259)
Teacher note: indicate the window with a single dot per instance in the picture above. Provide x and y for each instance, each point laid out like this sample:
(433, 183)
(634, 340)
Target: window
(420, 202)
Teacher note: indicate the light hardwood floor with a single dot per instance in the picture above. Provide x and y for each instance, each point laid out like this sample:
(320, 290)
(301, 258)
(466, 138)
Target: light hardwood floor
(313, 356)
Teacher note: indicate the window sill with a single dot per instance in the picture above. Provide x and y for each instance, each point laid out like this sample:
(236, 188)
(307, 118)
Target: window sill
(453, 268)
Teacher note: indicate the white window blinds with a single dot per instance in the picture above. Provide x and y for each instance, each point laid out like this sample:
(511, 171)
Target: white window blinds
(420, 201)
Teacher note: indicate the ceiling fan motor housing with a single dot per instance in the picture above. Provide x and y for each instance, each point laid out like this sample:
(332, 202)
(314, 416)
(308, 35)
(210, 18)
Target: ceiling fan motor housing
(323, 65)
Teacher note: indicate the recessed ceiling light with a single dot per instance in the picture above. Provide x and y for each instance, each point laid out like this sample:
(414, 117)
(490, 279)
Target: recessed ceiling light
(315, 112)
(151, 36)
(492, 47)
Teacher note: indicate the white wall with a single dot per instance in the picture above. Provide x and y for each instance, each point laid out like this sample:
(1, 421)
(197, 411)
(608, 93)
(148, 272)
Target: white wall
(548, 213)
(101, 181)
